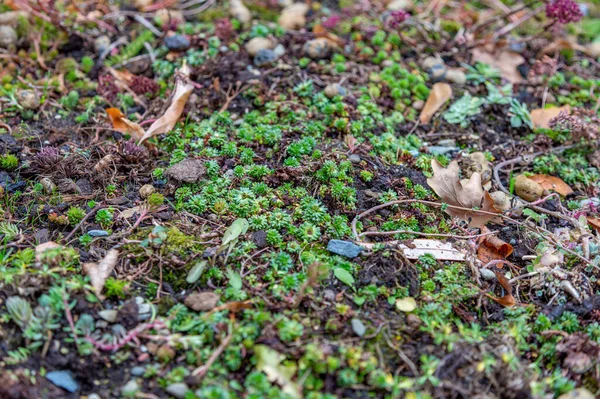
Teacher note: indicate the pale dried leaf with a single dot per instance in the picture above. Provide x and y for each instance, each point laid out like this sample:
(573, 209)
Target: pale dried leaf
(541, 117)
(127, 213)
(439, 94)
(124, 125)
(99, 272)
(446, 184)
(41, 248)
(167, 122)
(505, 61)
(438, 249)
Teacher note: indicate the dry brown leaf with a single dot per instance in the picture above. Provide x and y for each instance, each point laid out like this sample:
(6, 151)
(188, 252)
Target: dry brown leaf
(124, 125)
(99, 272)
(446, 184)
(594, 222)
(553, 183)
(504, 60)
(439, 94)
(493, 248)
(541, 117)
(507, 300)
(167, 122)
(320, 31)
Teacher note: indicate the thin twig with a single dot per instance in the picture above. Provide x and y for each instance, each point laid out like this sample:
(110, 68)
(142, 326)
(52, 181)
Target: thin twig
(201, 371)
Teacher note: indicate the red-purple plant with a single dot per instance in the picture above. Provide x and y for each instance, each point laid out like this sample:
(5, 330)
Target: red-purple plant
(107, 87)
(224, 29)
(332, 22)
(563, 11)
(142, 85)
(397, 18)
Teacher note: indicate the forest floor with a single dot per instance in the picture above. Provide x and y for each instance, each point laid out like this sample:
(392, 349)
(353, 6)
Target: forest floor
(352, 199)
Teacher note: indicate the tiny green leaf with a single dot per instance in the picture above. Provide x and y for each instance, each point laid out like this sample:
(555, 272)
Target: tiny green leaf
(195, 272)
(344, 276)
(237, 228)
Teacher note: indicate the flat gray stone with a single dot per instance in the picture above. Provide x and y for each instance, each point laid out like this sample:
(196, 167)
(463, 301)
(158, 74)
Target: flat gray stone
(63, 379)
(189, 170)
(344, 248)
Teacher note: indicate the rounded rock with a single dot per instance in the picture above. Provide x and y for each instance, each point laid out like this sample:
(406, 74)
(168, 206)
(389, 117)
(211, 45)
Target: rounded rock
(418, 105)
(265, 57)
(257, 44)
(501, 201)
(240, 12)
(177, 43)
(101, 44)
(456, 75)
(528, 189)
(48, 184)
(178, 389)
(28, 99)
(334, 89)
(317, 48)
(8, 36)
(146, 190)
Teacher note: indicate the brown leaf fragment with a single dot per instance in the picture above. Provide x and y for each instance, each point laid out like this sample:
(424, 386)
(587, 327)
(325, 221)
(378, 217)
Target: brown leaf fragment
(562, 43)
(439, 94)
(99, 272)
(594, 222)
(508, 300)
(447, 185)
(493, 248)
(124, 125)
(41, 248)
(553, 183)
(541, 117)
(167, 122)
(505, 61)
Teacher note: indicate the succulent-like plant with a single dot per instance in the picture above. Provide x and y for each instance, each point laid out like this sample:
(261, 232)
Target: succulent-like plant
(462, 109)
(20, 311)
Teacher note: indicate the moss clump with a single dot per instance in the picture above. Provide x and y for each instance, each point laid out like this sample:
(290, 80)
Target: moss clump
(178, 242)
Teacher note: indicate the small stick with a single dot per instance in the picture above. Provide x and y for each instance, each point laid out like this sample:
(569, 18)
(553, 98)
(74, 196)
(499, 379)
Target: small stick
(85, 218)
(70, 319)
(201, 371)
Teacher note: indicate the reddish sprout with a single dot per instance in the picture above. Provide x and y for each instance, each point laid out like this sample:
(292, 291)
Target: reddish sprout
(332, 22)
(142, 85)
(397, 18)
(107, 87)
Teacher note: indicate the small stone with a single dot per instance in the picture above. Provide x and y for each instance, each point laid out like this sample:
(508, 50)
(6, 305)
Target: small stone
(63, 379)
(139, 300)
(101, 44)
(84, 186)
(239, 11)
(594, 49)
(28, 99)
(456, 75)
(265, 57)
(98, 233)
(487, 274)
(137, 371)
(418, 105)
(293, 17)
(396, 5)
(358, 327)
(528, 189)
(190, 170)
(258, 43)
(329, 295)
(178, 389)
(130, 388)
(435, 67)
(93, 396)
(334, 89)
(501, 201)
(344, 248)
(201, 301)
(279, 50)
(109, 315)
(177, 42)
(8, 36)
(477, 162)
(144, 308)
(48, 185)
(146, 190)
(12, 17)
(317, 48)
(579, 393)
(354, 158)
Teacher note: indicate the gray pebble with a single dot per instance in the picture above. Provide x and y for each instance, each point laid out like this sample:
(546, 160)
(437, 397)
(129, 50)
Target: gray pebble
(8, 36)
(101, 44)
(354, 158)
(265, 57)
(178, 389)
(177, 42)
(137, 371)
(487, 274)
(358, 327)
(439, 150)
(110, 315)
(130, 388)
(98, 233)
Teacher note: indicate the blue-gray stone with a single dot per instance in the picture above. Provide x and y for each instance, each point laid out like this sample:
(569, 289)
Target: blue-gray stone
(178, 389)
(265, 57)
(358, 327)
(137, 371)
(98, 233)
(177, 42)
(63, 379)
(344, 248)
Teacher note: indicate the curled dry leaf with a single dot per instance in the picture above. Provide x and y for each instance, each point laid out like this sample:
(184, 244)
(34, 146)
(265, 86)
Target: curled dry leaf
(594, 222)
(124, 125)
(508, 300)
(553, 183)
(167, 122)
(493, 248)
(99, 272)
(447, 185)
(440, 93)
(541, 117)
(505, 61)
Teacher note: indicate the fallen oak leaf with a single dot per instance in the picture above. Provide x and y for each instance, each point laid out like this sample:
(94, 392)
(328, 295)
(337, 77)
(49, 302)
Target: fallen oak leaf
(124, 125)
(99, 272)
(167, 122)
(553, 183)
(492, 248)
(541, 117)
(470, 194)
(439, 94)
